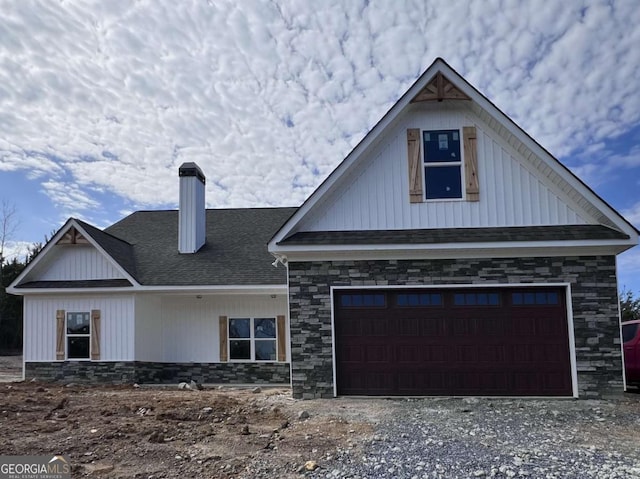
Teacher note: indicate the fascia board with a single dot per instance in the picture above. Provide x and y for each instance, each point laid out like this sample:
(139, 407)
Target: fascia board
(448, 246)
(448, 249)
(221, 289)
(448, 254)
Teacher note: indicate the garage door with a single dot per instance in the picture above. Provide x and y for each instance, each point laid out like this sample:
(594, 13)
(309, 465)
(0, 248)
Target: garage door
(490, 342)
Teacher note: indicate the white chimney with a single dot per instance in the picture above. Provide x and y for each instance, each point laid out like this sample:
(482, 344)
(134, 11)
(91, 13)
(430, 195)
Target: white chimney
(191, 214)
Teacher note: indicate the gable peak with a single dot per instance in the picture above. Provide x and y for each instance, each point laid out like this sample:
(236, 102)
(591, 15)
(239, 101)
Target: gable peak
(72, 236)
(439, 88)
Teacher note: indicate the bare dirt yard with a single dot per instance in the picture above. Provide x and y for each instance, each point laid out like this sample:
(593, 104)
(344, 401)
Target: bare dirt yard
(166, 432)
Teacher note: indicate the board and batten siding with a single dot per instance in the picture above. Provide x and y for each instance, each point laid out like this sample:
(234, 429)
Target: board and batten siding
(116, 325)
(512, 190)
(185, 328)
(78, 262)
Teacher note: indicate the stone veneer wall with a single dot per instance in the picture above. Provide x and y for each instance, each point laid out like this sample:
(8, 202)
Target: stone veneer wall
(158, 373)
(593, 297)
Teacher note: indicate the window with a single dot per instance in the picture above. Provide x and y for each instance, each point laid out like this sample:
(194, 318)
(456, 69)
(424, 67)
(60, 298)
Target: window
(420, 299)
(362, 300)
(476, 299)
(442, 164)
(78, 335)
(537, 298)
(252, 339)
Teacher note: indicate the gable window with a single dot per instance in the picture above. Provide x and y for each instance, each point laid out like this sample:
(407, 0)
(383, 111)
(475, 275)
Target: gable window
(78, 329)
(252, 339)
(442, 164)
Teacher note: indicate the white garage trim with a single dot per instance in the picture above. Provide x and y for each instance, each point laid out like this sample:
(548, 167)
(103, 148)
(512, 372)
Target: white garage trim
(569, 310)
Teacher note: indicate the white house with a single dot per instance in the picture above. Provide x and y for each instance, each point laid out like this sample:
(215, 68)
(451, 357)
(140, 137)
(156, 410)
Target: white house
(448, 254)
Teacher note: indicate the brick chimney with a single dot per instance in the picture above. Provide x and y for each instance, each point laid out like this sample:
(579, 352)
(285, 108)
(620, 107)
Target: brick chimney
(191, 213)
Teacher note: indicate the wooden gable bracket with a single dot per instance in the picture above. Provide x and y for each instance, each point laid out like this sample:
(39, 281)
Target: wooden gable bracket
(439, 88)
(72, 236)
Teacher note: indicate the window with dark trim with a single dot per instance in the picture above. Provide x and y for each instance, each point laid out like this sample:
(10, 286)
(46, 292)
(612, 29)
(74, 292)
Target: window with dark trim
(78, 331)
(419, 299)
(442, 164)
(252, 339)
(366, 300)
(537, 298)
(476, 299)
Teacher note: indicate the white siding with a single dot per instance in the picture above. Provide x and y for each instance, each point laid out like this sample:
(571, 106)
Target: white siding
(77, 262)
(513, 192)
(186, 329)
(148, 338)
(192, 215)
(117, 325)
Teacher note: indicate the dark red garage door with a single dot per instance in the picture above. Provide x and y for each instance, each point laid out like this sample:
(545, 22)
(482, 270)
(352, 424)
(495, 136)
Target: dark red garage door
(490, 342)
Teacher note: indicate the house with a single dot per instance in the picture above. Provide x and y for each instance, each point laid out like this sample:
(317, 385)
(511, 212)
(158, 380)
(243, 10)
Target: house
(448, 254)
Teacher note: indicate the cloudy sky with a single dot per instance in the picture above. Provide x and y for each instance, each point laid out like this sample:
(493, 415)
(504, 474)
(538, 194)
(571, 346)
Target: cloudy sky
(100, 102)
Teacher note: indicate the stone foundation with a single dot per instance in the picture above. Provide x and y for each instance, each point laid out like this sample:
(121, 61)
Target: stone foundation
(158, 373)
(594, 302)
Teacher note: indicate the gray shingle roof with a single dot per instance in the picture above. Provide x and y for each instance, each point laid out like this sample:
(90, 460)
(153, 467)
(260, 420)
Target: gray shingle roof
(119, 250)
(455, 235)
(235, 252)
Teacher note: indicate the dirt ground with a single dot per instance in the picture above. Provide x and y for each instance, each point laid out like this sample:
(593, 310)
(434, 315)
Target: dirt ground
(165, 432)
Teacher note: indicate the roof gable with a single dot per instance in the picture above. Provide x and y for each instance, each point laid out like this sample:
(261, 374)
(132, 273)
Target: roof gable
(556, 185)
(80, 255)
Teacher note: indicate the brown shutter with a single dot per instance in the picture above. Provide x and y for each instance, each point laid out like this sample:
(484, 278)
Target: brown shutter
(471, 163)
(282, 339)
(415, 165)
(224, 355)
(60, 334)
(95, 334)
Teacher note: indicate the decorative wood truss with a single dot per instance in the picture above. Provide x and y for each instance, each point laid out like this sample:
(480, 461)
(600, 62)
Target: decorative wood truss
(73, 236)
(438, 89)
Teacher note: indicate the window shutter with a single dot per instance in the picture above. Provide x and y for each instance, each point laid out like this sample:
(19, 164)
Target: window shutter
(471, 163)
(60, 334)
(282, 339)
(415, 166)
(95, 334)
(224, 325)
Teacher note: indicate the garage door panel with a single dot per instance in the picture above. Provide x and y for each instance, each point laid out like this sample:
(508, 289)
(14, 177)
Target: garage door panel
(491, 342)
(432, 327)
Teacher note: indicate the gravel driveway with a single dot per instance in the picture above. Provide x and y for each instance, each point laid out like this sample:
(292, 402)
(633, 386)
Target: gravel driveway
(460, 438)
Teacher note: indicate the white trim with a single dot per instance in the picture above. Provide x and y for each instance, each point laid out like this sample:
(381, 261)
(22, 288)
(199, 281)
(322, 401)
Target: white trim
(572, 244)
(333, 340)
(624, 369)
(568, 310)
(252, 340)
(572, 341)
(459, 163)
(347, 254)
(84, 335)
(212, 289)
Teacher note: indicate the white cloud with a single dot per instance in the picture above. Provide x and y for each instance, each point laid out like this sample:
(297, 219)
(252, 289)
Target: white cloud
(269, 97)
(633, 214)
